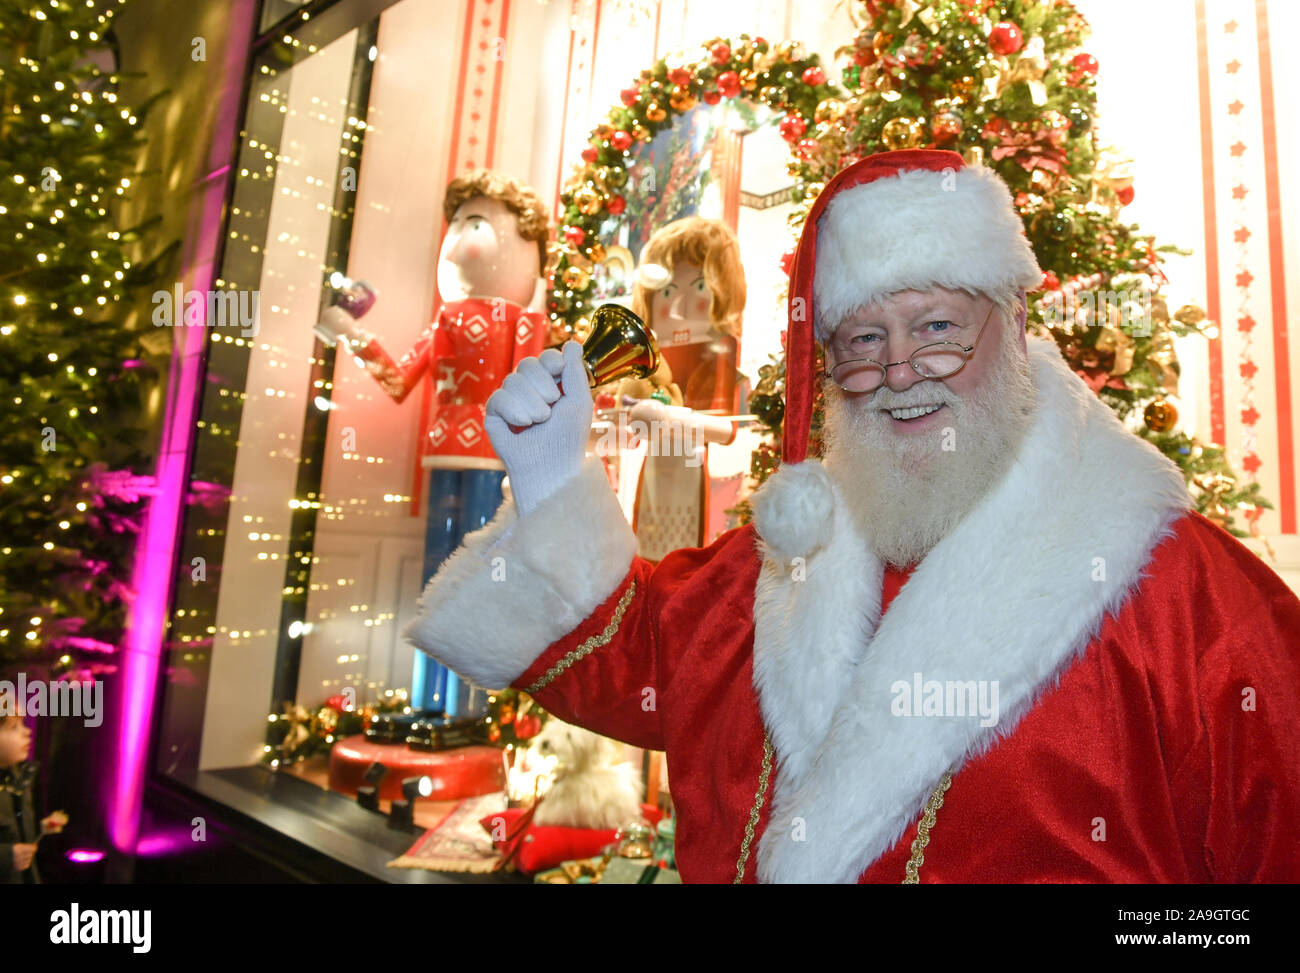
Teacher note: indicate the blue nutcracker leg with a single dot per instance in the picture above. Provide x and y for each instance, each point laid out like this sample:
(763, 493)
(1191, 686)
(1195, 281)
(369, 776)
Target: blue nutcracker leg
(460, 501)
(441, 536)
(480, 498)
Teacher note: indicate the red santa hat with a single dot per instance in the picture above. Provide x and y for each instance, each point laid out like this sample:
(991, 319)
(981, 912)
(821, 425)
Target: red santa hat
(906, 220)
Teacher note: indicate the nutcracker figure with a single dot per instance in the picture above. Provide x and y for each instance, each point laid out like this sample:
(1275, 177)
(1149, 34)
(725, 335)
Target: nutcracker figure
(490, 278)
(691, 292)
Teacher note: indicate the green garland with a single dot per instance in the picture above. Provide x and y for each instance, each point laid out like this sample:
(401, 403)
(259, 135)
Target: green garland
(780, 76)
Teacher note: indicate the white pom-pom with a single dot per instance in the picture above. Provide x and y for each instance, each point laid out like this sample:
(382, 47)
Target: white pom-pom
(794, 510)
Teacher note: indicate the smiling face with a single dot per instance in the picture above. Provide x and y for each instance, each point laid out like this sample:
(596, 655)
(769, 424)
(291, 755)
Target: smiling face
(680, 310)
(484, 256)
(913, 457)
(891, 330)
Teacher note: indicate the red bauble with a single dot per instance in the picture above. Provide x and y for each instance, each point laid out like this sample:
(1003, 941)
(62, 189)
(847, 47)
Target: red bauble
(729, 84)
(1005, 38)
(629, 96)
(711, 97)
(1125, 195)
(680, 77)
(787, 261)
(721, 52)
(605, 400)
(1050, 282)
(814, 76)
(809, 148)
(792, 127)
(616, 205)
(590, 153)
(1084, 62)
(621, 141)
(574, 235)
(527, 726)
(336, 703)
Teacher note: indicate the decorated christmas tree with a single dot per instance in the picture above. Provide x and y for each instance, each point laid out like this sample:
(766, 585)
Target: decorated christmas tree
(1010, 84)
(71, 437)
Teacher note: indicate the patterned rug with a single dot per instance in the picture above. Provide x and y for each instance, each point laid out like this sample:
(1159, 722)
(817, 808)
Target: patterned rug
(458, 843)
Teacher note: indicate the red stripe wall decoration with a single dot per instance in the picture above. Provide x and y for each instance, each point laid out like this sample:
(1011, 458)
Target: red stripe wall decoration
(1213, 307)
(1276, 278)
(1252, 404)
(1239, 214)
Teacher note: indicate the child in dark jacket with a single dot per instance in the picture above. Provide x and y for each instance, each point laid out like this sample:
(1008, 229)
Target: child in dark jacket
(19, 829)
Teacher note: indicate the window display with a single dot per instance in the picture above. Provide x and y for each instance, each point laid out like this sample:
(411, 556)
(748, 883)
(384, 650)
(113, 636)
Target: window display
(471, 551)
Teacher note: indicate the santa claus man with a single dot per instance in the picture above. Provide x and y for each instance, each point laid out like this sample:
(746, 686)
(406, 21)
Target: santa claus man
(984, 640)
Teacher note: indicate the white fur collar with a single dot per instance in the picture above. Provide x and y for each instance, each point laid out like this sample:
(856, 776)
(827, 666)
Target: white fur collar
(1012, 596)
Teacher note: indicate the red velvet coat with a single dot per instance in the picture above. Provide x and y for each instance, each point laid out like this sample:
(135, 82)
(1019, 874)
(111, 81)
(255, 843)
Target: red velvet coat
(1146, 667)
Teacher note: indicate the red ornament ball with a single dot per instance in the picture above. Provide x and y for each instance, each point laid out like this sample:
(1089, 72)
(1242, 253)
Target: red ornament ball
(590, 153)
(792, 127)
(1084, 62)
(616, 205)
(629, 96)
(680, 77)
(711, 97)
(1005, 38)
(1050, 282)
(621, 141)
(787, 261)
(1125, 195)
(721, 52)
(814, 76)
(527, 726)
(574, 235)
(809, 148)
(729, 84)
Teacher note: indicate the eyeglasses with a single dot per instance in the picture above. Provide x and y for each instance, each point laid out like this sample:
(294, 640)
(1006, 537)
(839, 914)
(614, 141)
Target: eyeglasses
(939, 359)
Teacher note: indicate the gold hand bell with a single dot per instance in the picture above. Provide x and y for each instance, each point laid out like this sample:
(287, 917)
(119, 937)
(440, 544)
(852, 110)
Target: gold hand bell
(619, 346)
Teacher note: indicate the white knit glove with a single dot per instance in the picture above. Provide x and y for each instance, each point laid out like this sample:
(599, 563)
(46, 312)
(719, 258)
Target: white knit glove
(548, 453)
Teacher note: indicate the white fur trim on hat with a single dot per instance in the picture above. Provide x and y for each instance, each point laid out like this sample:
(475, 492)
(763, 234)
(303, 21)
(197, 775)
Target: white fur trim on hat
(920, 229)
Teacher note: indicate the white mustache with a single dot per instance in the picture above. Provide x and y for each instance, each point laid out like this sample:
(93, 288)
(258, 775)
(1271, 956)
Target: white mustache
(921, 394)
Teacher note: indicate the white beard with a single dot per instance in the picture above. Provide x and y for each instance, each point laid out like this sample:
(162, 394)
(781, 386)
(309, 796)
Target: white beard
(906, 493)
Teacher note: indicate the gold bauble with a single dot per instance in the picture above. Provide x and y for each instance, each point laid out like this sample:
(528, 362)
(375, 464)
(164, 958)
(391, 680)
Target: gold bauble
(596, 252)
(681, 100)
(640, 132)
(1160, 416)
(772, 94)
(902, 133)
(575, 278)
(748, 80)
(788, 51)
(655, 113)
(588, 201)
(830, 110)
(610, 178)
(964, 87)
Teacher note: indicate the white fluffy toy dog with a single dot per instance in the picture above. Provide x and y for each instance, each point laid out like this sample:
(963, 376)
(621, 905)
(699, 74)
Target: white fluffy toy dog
(593, 787)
